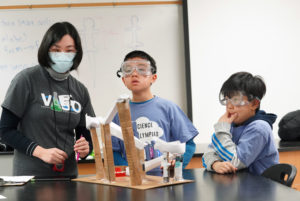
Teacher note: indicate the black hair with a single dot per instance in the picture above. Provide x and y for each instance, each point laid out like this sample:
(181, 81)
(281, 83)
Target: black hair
(54, 34)
(250, 86)
(142, 55)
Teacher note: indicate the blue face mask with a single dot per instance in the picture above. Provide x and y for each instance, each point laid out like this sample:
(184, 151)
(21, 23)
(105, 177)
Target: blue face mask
(62, 61)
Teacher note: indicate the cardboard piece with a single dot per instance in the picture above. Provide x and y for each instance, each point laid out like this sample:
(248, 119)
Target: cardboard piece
(131, 151)
(109, 165)
(147, 183)
(100, 174)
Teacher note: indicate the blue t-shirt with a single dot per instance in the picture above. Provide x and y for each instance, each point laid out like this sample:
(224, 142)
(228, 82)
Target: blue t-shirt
(156, 117)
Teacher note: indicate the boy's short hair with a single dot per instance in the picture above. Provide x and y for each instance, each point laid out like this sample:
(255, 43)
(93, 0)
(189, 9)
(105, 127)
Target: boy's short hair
(54, 34)
(250, 86)
(143, 55)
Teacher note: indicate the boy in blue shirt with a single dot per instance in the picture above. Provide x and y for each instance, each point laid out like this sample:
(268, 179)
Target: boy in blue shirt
(243, 135)
(151, 115)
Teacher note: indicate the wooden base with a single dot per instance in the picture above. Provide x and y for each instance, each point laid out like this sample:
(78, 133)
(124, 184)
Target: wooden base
(147, 183)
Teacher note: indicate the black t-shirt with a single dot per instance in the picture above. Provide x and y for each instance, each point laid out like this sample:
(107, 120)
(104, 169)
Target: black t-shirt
(48, 116)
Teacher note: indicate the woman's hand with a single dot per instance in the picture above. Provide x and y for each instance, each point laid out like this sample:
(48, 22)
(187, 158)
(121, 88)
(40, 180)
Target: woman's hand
(82, 147)
(51, 156)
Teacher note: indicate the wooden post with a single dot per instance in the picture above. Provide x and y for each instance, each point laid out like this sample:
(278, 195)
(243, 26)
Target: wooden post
(100, 174)
(107, 152)
(141, 153)
(128, 137)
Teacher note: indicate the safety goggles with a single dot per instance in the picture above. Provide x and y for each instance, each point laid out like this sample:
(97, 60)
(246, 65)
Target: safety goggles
(142, 67)
(236, 100)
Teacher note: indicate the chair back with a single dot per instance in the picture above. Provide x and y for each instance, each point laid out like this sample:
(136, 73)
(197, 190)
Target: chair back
(283, 173)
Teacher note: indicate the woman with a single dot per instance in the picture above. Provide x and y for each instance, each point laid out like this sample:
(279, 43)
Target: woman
(43, 106)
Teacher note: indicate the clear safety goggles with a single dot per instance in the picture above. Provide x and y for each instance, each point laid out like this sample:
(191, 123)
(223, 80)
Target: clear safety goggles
(142, 67)
(236, 100)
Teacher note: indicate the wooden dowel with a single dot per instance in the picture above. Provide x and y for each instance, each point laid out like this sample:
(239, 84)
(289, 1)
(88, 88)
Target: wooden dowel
(107, 152)
(100, 174)
(141, 157)
(128, 137)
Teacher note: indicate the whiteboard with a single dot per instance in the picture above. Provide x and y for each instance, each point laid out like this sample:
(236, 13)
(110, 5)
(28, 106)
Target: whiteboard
(258, 36)
(108, 34)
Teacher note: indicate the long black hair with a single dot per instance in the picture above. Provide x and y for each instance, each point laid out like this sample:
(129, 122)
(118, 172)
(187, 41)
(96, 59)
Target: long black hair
(54, 34)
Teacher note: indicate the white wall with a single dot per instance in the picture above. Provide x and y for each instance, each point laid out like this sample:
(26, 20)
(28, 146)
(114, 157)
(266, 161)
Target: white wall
(108, 33)
(6, 167)
(259, 36)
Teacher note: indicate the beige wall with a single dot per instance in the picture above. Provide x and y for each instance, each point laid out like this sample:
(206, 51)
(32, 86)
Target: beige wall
(6, 165)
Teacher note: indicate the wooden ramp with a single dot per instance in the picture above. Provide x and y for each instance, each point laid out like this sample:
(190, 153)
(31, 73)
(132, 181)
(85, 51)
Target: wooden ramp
(147, 183)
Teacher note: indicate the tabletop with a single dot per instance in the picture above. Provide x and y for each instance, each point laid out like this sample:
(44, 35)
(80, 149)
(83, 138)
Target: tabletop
(207, 186)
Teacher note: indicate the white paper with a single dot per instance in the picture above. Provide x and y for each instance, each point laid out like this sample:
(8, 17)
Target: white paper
(2, 197)
(93, 122)
(16, 179)
(151, 164)
(115, 129)
(111, 114)
(172, 147)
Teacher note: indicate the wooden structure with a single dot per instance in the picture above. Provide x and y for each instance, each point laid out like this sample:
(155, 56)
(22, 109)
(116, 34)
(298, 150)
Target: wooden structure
(105, 172)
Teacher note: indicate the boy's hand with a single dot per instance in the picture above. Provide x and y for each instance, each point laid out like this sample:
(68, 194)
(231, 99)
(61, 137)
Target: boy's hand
(227, 117)
(223, 167)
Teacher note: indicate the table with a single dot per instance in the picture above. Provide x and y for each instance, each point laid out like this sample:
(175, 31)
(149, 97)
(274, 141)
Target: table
(289, 152)
(207, 186)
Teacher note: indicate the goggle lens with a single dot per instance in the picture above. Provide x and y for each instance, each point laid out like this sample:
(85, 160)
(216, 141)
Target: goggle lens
(140, 66)
(236, 100)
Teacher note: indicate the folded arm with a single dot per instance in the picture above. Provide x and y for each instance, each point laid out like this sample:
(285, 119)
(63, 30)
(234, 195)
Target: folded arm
(209, 157)
(224, 146)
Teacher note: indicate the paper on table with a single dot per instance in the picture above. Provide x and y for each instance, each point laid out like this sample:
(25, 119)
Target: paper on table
(2, 197)
(15, 180)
